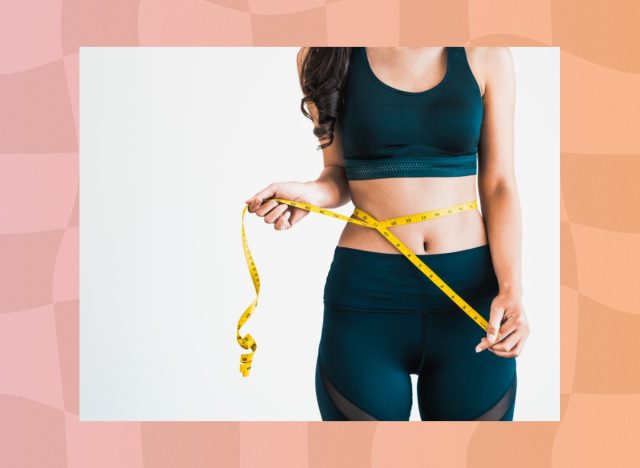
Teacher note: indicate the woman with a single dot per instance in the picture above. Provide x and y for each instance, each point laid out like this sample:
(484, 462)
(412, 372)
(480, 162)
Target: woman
(405, 130)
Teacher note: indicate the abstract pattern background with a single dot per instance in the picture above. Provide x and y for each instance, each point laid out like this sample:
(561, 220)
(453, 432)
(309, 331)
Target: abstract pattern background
(39, 226)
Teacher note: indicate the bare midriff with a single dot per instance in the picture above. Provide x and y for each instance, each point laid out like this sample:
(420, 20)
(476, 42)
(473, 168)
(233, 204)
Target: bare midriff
(394, 197)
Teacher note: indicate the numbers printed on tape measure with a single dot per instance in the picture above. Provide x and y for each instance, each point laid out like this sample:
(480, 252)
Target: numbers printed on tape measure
(366, 220)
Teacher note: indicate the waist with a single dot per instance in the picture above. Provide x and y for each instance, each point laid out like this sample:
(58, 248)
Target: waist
(390, 198)
(360, 279)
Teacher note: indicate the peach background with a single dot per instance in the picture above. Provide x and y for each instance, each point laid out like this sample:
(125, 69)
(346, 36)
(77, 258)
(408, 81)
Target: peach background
(600, 379)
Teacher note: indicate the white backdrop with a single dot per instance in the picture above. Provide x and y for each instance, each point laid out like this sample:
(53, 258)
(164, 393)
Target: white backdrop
(173, 140)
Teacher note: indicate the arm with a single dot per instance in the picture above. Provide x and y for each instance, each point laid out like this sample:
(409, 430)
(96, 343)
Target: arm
(329, 190)
(496, 180)
(501, 205)
(331, 185)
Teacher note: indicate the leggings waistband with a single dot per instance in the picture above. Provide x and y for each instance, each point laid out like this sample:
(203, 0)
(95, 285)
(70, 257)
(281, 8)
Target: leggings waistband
(377, 281)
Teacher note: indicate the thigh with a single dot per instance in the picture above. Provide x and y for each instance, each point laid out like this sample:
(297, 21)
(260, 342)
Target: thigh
(458, 384)
(362, 370)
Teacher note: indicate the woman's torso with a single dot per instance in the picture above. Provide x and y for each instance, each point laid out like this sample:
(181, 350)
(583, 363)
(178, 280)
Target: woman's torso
(383, 121)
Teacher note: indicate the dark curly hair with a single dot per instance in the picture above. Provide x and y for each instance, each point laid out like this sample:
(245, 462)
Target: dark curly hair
(322, 78)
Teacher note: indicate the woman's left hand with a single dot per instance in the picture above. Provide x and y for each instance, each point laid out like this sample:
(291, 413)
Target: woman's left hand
(507, 317)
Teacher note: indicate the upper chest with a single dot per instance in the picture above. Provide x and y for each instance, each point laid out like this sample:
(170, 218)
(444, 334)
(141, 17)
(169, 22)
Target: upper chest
(375, 112)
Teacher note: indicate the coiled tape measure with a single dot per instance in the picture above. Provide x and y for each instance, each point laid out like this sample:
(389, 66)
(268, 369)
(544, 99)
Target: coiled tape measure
(366, 220)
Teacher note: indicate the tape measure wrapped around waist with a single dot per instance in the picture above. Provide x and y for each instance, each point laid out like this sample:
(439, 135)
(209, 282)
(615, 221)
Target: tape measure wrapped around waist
(363, 219)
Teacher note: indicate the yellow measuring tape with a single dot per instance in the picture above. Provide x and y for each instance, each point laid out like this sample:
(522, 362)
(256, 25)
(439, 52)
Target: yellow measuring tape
(366, 220)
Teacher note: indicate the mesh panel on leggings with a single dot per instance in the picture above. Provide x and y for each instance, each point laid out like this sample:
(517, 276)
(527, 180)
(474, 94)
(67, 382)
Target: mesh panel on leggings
(498, 411)
(346, 407)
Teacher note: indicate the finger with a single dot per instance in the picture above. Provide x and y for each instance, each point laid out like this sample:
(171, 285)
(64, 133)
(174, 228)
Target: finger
(508, 344)
(506, 329)
(255, 201)
(275, 213)
(297, 215)
(514, 329)
(254, 204)
(511, 341)
(268, 192)
(266, 207)
(515, 351)
(283, 221)
(484, 344)
(495, 319)
(503, 354)
(502, 335)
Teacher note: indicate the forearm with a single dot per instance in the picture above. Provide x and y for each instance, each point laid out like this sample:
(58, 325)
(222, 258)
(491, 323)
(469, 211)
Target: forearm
(502, 217)
(330, 189)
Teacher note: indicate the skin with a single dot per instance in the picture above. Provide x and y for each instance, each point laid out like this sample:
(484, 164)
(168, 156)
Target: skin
(416, 69)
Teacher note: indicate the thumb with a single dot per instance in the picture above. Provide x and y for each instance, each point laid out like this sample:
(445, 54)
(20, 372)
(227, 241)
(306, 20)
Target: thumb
(495, 319)
(267, 192)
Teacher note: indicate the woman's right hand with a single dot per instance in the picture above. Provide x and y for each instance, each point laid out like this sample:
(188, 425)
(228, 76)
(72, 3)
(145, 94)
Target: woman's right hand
(281, 215)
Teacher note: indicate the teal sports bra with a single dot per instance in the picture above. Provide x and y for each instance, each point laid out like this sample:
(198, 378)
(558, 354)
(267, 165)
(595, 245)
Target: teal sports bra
(388, 132)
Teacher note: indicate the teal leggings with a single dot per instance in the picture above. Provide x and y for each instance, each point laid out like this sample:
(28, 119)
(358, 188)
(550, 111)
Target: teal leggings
(384, 320)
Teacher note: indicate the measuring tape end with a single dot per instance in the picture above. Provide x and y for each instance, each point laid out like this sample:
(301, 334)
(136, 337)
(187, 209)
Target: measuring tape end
(244, 368)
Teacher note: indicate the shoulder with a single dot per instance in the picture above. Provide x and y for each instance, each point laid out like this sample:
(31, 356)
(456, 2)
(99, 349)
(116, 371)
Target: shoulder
(493, 65)
(493, 60)
(490, 54)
